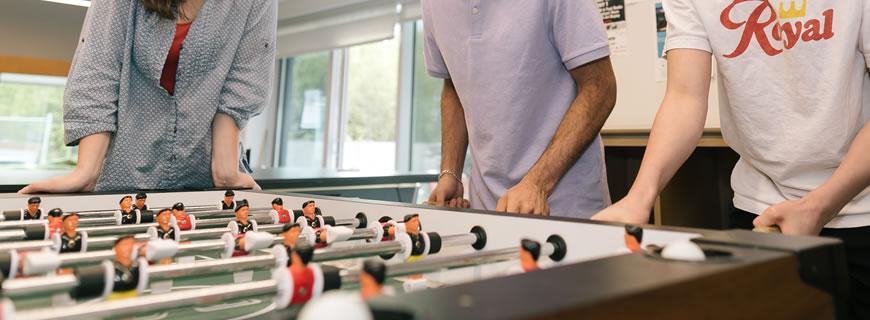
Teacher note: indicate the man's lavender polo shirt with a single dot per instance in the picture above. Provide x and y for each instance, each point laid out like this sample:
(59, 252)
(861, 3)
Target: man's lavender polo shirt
(509, 61)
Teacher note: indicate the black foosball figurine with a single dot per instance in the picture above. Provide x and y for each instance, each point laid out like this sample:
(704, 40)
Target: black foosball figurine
(413, 228)
(140, 205)
(530, 251)
(633, 238)
(228, 203)
(127, 212)
(71, 240)
(182, 220)
(371, 279)
(165, 230)
(55, 221)
(309, 212)
(126, 278)
(278, 213)
(32, 212)
(243, 224)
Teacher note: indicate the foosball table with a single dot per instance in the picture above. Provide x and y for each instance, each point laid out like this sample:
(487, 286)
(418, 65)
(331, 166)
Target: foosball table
(253, 255)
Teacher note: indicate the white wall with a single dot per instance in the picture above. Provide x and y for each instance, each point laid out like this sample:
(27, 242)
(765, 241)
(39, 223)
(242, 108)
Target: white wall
(38, 29)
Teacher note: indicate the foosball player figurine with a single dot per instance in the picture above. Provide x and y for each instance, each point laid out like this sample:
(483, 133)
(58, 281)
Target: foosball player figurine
(128, 214)
(413, 228)
(301, 273)
(126, 270)
(283, 251)
(278, 213)
(165, 230)
(55, 221)
(530, 251)
(70, 239)
(228, 203)
(242, 221)
(371, 279)
(33, 212)
(290, 233)
(633, 238)
(140, 202)
(389, 227)
(182, 220)
(309, 211)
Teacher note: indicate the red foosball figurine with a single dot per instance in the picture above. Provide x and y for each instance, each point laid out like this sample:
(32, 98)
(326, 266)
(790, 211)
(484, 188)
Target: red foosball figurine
(301, 273)
(371, 279)
(633, 238)
(182, 220)
(55, 221)
(278, 213)
(530, 251)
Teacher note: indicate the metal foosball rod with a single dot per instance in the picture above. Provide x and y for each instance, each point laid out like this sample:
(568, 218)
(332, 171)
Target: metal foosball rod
(280, 286)
(39, 286)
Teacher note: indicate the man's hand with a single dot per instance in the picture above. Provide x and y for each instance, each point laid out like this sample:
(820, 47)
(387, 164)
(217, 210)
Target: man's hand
(796, 217)
(526, 198)
(448, 193)
(624, 211)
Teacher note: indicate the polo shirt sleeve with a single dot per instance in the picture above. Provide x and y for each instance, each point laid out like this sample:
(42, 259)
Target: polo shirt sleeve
(577, 31)
(90, 100)
(864, 41)
(246, 89)
(685, 29)
(435, 65)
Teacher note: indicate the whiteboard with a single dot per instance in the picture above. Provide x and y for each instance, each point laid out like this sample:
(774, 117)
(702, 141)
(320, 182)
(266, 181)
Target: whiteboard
(639, 94)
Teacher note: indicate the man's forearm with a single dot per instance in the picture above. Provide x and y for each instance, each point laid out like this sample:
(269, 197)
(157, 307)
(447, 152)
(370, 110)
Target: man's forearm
(850, 178)
(678, 125)
(580, 125)
(92, 153)
(454, 133)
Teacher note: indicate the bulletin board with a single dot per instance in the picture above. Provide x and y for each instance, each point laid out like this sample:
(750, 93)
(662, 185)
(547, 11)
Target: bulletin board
(636, 32)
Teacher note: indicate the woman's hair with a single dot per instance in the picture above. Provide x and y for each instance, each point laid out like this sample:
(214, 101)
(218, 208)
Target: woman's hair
(163, 8)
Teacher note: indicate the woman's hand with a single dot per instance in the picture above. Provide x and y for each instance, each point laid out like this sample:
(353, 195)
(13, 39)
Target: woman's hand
(92, 152)
(225, 156)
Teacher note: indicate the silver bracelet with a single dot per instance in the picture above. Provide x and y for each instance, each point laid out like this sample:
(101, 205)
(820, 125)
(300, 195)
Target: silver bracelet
(450, 173)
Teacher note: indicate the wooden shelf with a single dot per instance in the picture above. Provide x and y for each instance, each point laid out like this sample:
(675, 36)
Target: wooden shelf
(711, 138)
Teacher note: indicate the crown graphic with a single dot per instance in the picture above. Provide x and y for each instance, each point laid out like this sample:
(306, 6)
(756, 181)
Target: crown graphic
(792, 12)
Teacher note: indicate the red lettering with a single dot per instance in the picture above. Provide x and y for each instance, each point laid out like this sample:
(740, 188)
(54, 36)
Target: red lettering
(789, 33)
(753, 27)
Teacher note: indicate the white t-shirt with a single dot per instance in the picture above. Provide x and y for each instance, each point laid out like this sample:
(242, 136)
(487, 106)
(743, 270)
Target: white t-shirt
(793, 83)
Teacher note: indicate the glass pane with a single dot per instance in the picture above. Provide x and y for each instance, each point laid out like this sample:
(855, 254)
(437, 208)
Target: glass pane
(372, 98)
(305, 109)
(31, 123)
(426, 104)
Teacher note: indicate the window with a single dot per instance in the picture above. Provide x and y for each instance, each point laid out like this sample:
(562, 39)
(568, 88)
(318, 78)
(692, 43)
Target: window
(426, 113)
(304, 107)
(31, 123)
(369, 137)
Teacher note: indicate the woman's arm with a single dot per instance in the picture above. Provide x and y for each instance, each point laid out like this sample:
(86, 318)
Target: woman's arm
(225, 155)
(90, 99)
(245, 93)
(92, 152)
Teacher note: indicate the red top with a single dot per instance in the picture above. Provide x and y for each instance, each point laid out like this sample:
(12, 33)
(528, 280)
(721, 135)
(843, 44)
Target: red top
(284, 216)
(167, 78)
(303, 284)
(184, 222)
